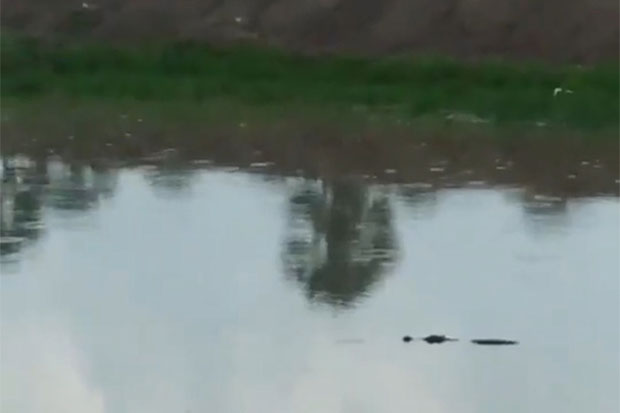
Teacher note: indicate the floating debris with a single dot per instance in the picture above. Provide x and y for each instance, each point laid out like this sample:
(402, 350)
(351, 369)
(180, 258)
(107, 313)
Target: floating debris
(239, 19)
(541, 124)
(160, 156)
(547, 198)
(436, 169)
(501, 167)
(202, 162)
(261, 164)
(242, 125)
(390, 171)
(571, 176)
(585, 163)
(140, 120)
(419, 185)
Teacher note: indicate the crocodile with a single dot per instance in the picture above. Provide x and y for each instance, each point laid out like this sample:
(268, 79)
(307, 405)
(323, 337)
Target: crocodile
(432, 339)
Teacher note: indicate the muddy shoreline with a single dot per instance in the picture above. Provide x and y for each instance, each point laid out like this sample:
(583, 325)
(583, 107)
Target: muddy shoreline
(555, 167)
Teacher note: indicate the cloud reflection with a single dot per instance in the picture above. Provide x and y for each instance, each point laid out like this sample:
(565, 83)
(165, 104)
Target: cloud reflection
(43, 370)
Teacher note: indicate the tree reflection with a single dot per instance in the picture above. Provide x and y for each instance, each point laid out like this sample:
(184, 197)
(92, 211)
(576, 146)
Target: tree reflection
(340, 240)
(21, 208)
(28, 187)
(420, 198)
(21, 217)
(544, 214)
(71, 187)
(78, 186)
(170, 179)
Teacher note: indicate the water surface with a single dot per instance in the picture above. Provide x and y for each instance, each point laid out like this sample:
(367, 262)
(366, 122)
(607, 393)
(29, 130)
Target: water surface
(198, 288)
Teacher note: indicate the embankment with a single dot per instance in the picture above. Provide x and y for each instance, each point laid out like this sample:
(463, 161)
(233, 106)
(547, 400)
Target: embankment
(564, 31)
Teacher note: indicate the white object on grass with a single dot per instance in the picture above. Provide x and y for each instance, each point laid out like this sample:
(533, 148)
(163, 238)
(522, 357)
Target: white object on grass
(559, 90)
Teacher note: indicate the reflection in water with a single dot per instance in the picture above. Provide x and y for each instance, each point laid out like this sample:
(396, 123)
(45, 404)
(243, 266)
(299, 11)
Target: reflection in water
(21, 217)
(167, 174)
(71, 187)
(181, 306)
(545, 214)
(30, 186)
(41, 348)
(170, 180)
(420, 198)
(341, 239)
(78, 186)
(21, 206)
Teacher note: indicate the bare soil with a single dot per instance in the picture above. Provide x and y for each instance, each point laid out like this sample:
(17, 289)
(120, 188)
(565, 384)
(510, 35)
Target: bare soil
(575, 31)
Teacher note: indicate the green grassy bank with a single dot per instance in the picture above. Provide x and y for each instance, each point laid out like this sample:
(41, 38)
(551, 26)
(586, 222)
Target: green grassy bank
(493, 91)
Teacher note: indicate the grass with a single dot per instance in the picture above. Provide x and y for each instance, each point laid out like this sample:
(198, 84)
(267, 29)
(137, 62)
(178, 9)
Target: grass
(407, 87)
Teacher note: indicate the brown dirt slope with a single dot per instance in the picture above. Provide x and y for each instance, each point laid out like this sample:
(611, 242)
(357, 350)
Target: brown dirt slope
(580, 31)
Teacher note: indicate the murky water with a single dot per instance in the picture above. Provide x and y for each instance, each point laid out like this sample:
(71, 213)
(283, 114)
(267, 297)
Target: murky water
(196, 288)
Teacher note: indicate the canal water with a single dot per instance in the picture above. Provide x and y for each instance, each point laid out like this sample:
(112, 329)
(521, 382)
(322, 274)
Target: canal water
(195, 287)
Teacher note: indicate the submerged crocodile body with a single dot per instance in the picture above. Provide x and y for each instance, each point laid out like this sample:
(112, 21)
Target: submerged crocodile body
(494, 342)
(440, 338)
